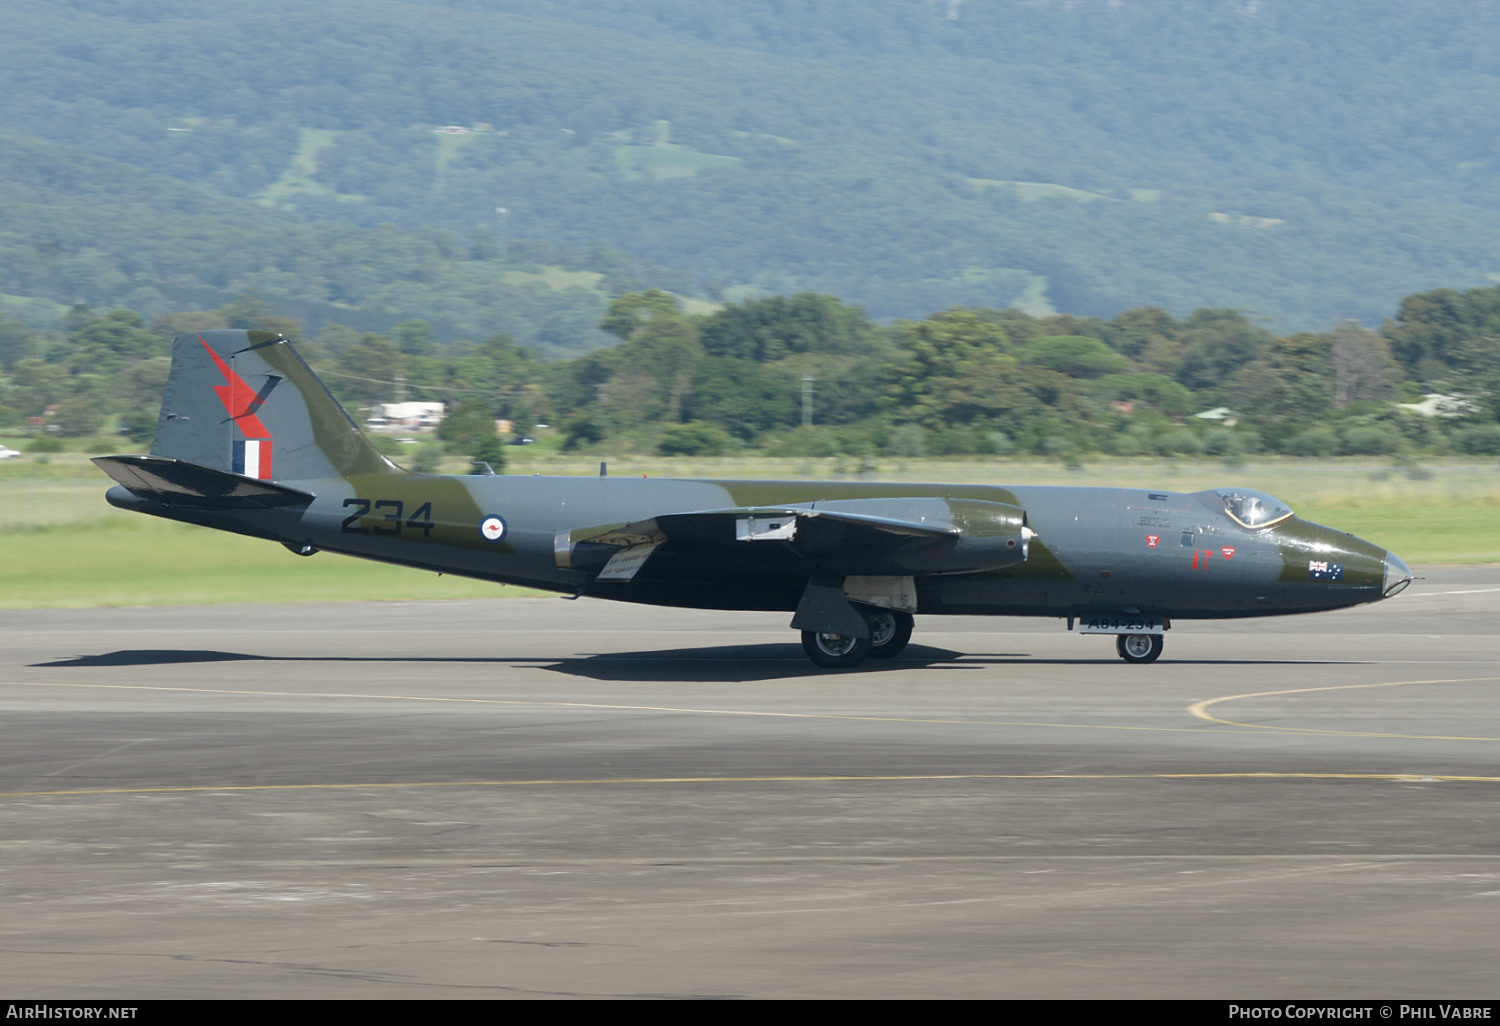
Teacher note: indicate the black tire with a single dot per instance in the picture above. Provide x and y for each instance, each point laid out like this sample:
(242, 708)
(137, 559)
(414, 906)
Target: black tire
(890, 630)
(834, 651)
(1139, 648)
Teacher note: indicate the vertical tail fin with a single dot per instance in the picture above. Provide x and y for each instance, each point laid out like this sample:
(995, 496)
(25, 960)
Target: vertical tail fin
(247, 403)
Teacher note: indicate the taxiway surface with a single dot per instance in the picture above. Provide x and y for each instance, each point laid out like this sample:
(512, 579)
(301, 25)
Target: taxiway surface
(537, 797)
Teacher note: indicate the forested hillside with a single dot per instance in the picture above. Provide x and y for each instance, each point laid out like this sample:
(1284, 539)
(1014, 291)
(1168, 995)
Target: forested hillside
(1303, 162)
(84, 229)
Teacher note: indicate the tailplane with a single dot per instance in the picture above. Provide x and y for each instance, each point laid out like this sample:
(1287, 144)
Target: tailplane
(246, 403)
(178, 483)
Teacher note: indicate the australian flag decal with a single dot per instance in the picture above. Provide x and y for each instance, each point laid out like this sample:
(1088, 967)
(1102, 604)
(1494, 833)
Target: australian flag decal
(1320, 571)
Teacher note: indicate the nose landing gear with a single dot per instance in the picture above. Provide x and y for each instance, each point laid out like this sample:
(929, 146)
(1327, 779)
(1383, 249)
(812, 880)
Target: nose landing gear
(1139, 648)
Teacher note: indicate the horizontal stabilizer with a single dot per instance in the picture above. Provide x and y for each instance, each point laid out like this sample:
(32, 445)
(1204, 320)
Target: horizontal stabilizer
(179, 483)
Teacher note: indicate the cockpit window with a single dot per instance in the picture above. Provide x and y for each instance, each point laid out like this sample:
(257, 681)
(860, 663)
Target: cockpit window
(1253, 509)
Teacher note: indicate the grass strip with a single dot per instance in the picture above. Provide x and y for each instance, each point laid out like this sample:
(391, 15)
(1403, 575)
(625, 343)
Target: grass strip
(158, 563)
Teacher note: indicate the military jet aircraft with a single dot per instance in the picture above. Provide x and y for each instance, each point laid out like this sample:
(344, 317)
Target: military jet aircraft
(250, 441)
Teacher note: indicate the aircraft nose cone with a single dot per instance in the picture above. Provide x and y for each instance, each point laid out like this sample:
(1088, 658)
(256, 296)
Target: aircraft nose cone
(1397, 576)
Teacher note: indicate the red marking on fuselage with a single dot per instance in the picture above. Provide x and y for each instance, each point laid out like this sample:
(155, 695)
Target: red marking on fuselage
(1228, 551)
(1151, 540)
(237, 397)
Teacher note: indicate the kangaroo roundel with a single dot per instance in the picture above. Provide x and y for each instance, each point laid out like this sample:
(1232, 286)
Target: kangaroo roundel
(492, 527)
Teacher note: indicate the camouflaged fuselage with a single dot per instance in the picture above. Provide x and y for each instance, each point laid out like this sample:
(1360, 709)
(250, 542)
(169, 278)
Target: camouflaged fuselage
(1095, 550)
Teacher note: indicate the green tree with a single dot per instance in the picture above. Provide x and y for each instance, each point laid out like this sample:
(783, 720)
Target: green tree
(1476, 363)
(34, 385)
(696, 438)
(414, 337)
(78, 416)
(246, 311)
(952, 365)
(957, 371)
(1430, 328)
(770, 329)
(469, 428)
(666, 350)
(17, 342)
(582, 430)
(333, 339)
(118, 336)
(1215, 344)
(253, 313)
(1362, 365)
(487, 450)
(742, 397)
(467, 422)
(1146, 333)
(367, 371)
(1077, 356)
(634, 310)
(77, 316)
(1143, 386)
(168, 326)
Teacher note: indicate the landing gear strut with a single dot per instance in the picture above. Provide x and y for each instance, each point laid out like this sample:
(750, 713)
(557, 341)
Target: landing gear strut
(890, 630)
(1138, 648)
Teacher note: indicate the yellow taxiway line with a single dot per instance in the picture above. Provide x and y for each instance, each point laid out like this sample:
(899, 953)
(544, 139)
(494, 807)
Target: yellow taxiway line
(1200, 709)
(830, 778)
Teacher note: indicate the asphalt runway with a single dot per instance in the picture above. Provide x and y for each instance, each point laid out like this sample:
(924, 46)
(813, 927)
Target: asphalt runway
(536, 797)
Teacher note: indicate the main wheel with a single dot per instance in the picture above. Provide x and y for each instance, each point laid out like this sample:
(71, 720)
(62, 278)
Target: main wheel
(834, 651)
(889, 632)
(1139, 648)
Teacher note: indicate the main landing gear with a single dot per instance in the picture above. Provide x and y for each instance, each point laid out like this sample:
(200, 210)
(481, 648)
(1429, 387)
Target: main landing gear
(890, 630)
(1138, 648)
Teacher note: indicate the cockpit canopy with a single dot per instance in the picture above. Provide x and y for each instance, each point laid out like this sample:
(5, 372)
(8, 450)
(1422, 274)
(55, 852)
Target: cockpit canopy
(1252, 509)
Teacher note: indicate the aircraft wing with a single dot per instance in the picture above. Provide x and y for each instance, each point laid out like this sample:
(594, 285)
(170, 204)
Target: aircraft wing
(769, 523)
(179, 483)
(802, 540)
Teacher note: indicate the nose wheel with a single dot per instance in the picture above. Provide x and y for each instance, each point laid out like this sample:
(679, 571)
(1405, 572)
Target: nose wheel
(1139, 648)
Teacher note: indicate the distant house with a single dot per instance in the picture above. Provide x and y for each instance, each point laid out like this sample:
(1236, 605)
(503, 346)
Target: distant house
(397, 417)
(1438, 405)
(1223, 414)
